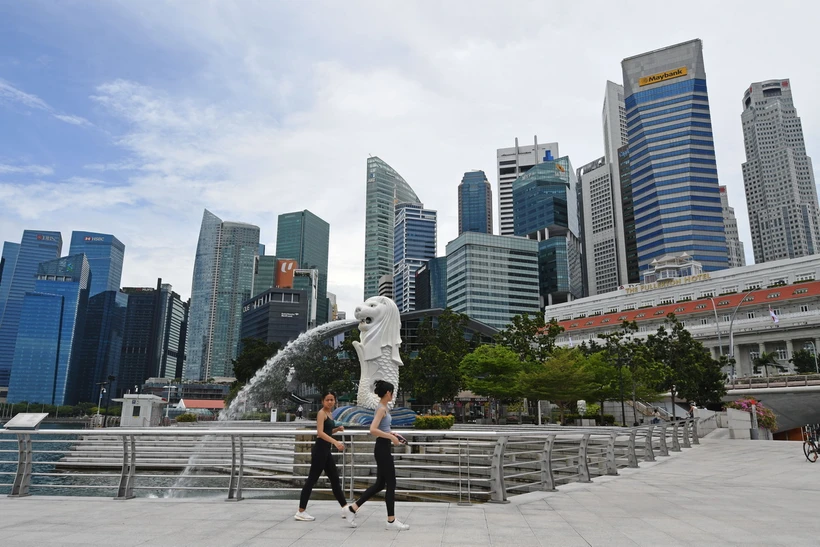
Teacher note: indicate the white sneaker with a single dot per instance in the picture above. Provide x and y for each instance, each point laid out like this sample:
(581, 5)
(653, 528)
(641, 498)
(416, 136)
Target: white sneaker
(396, 525)
(345, 511)
(303, 515)
(351, 519)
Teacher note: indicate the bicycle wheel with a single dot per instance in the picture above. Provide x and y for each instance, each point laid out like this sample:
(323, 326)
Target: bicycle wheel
(810, 451)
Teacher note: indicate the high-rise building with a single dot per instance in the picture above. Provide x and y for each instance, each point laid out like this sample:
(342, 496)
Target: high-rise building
(633, 271)
(545, 199)
(277, 315)
(675, 190)
(386, 286)
(414, 243)
(602, 235)
(492, 278)
(475, 203)
(223, 279)
(304, 237)
(385, 188)
(737, 255)
(105, 254)
(613, 119)
(512, 163)
(781, 196)
(35, 247)
(153, 344)
(8, 260)
(264, 274)
(46, 364)
(431, 284)
(101, 347)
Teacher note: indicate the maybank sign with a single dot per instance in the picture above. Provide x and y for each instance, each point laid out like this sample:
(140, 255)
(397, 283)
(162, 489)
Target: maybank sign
(661, 76)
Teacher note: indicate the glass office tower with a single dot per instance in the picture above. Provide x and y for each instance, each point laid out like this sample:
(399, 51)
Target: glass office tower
(431, 284)
(545, 201)
(102, 344)
(305, 238)
(105, 254)
(414, 243)
(475, 203)
(9, 261)
(385, 188)
(223, 279)
(675, 188)
(46, 364)
(35, 247)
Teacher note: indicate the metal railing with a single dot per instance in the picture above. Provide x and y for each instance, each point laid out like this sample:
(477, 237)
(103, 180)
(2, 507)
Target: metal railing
(775, 380)
(465, 465)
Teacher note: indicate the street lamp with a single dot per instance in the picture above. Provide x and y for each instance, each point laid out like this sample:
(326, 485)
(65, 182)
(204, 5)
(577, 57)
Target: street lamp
(813, 352)
(731, 333)
(99, 403)
(168, 405)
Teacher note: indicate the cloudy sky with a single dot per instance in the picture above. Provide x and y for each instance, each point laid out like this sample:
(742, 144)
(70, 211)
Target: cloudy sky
(131, 117)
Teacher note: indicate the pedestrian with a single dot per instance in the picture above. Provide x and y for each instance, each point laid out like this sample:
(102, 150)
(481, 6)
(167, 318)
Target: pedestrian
(299, 413)
(692, 408)
(322, 459)
(657, 416)
(385, 469)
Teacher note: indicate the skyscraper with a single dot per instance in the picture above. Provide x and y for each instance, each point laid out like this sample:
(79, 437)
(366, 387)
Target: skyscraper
(672, 155)
(385, 188)
(780, 192)
(492, 278)
(414, 243)
(602, 235)
(8, 260)
(153, 344)
(305, 238)
(511, 163)
(105, 255)
(431, 284)
(264, 274)
(475, 203)
(35, 247)
(101, 348)
(737, 256)
(222, 281)
(46, 363)
(546, 210)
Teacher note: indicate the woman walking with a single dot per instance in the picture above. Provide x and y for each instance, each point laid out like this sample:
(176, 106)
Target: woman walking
(385, 469)
(322, 459)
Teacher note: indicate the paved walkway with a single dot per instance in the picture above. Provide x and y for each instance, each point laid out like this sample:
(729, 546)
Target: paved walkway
(722, 492)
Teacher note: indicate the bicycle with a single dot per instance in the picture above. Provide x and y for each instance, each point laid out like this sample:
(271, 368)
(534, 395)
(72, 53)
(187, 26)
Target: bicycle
(810, 448)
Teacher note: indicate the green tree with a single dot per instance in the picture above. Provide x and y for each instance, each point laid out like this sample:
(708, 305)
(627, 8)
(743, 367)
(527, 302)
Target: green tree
(604, 384)
(803, 361)
(562, 379)
(766, 360)
(255, 353)
(492, 371)
(530, 337)
(690, 371)
(322, 366)
(434, 374)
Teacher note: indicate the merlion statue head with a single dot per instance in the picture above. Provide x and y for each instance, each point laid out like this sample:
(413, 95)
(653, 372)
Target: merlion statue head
(380, 326)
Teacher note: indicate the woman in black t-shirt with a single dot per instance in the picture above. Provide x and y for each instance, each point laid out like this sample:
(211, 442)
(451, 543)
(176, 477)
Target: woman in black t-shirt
(322, 459)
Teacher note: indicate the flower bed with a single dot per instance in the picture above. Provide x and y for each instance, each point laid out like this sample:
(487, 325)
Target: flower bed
(765, 417)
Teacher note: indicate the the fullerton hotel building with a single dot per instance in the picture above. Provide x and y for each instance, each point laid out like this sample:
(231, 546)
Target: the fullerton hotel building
(771, 307)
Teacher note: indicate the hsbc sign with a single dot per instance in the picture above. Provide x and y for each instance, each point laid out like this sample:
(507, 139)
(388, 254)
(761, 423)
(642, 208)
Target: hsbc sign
(94, 238)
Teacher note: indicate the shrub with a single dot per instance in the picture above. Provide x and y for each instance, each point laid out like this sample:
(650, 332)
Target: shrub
(434, 422)
(608, 419)
(186, 418)
(765, 417)
(313, 415)
(593, 409)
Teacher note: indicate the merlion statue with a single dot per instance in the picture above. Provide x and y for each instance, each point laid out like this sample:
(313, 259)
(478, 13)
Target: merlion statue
(378, 351)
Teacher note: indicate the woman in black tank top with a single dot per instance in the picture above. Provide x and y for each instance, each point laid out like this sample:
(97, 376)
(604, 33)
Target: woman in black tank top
(322, 459)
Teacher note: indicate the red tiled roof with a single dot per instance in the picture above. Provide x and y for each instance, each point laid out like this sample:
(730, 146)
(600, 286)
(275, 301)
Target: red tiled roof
(209, 404)
(766, 297)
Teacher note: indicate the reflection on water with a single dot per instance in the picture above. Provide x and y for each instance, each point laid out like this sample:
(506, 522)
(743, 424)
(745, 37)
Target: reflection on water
(49, 481)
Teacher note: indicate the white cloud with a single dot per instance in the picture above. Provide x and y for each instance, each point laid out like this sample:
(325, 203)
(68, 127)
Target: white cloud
(10, 94)
(39, 170)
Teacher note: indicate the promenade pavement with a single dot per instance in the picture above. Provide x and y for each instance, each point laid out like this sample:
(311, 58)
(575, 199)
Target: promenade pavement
(722, 492)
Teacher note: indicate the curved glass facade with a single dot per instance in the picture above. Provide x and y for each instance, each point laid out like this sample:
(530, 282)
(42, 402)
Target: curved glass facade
(385, 188)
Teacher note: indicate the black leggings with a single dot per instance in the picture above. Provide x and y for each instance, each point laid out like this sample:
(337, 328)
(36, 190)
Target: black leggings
(322, 460)
(385, 476)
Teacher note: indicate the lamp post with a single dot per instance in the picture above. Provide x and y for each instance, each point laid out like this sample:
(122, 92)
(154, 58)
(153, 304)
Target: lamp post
(717, 326)
(731, 334)
(814, 353)
(168, 405)
(99, 402)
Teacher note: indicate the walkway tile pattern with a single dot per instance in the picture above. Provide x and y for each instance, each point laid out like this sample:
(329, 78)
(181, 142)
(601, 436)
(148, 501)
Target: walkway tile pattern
(722, 492)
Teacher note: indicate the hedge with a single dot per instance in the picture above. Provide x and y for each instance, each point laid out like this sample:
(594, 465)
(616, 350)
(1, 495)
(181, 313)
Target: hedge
(434, 422)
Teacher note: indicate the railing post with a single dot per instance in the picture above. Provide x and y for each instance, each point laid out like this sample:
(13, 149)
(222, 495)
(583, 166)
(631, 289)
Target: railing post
(686, 424)
(22, 480)
(125, 490)
(235, 483)
(632, 458)
(352, 466)
(547, 478)
(664, 450)
(498, 490)
(611, 466)
(648, 447)
(695, 438)
(675, 441)
(583, 465)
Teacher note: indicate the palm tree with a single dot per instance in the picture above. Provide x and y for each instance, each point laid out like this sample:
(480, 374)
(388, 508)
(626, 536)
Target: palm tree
(767, 360)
